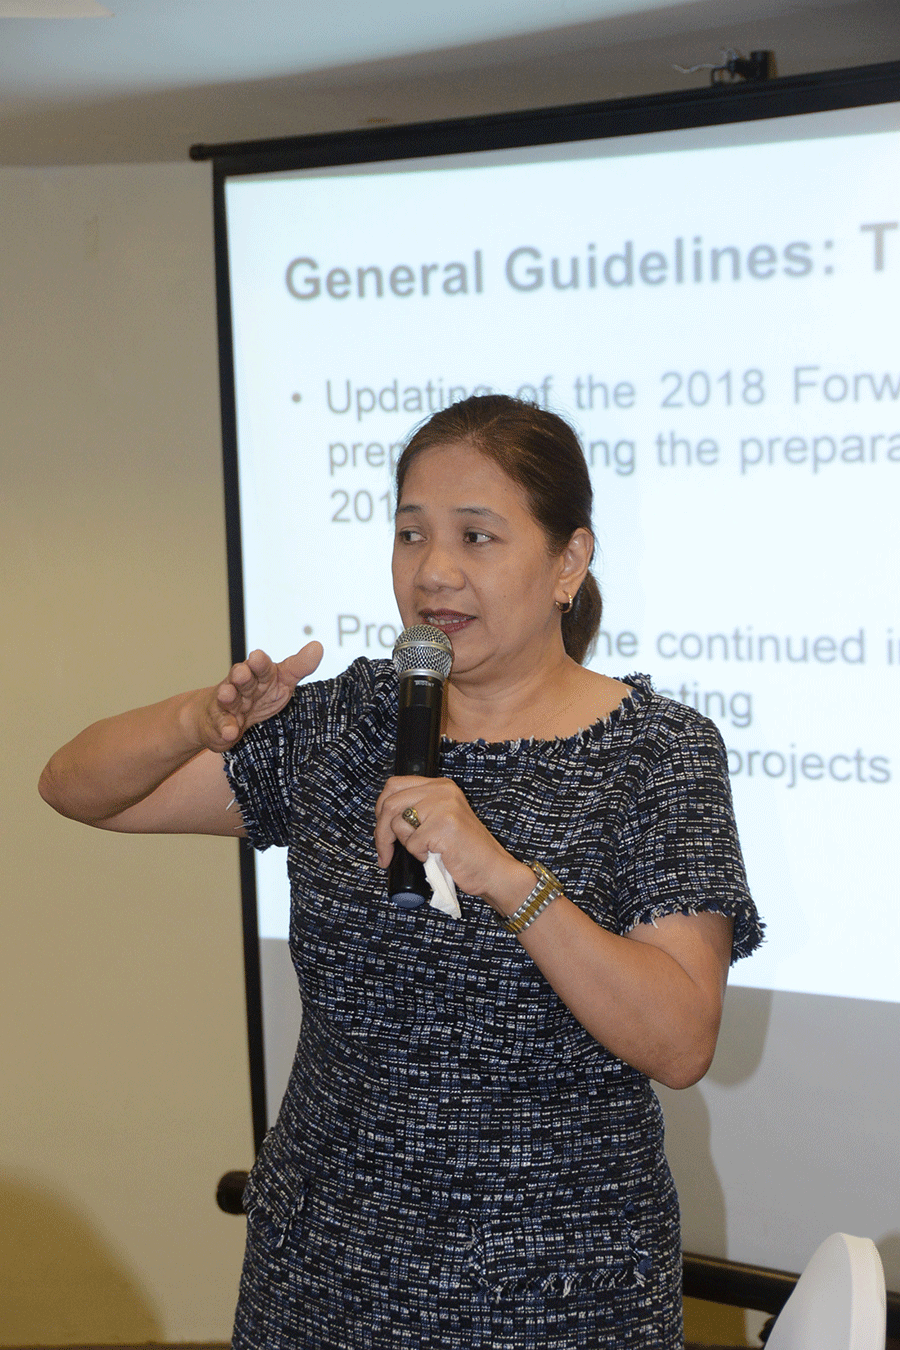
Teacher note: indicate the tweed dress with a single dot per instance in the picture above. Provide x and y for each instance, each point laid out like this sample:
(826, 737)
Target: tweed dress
(457, 1162)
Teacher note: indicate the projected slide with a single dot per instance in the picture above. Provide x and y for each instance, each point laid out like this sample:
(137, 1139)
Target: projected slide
(719, 322)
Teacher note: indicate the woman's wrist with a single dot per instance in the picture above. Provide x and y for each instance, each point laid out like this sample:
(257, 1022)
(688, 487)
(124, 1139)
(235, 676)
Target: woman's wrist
(547, 888)
(512, 885)
(192, 717)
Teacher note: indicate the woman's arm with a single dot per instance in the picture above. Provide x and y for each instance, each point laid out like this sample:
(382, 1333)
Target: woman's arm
(653, 997)
(159, 769)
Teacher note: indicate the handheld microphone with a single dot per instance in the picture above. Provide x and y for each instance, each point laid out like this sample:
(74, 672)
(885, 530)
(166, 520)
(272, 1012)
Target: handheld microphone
(422, 659)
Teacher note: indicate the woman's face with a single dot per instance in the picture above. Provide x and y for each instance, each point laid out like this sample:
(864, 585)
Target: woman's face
(470, 559)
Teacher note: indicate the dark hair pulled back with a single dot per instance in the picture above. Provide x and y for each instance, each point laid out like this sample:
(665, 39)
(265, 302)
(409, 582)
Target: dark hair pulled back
(542, 455)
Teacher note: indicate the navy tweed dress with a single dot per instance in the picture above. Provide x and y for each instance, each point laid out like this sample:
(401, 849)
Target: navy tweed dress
(457, 1163)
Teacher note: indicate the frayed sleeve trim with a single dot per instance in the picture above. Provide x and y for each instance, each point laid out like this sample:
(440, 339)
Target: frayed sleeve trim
(749, 930)
(263, 828)
(264, 766)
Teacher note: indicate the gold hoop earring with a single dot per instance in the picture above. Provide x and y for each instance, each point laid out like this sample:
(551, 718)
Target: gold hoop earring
(564, 608)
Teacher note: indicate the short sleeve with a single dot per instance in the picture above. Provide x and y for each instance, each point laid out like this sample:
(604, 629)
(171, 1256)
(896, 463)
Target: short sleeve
(681, 853)
(264, 765)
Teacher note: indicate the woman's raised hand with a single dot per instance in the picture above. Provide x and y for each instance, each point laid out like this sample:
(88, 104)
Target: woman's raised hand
(149, 770)
(252, 691)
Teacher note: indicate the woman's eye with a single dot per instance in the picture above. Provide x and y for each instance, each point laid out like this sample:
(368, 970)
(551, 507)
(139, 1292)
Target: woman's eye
(476, 537)
(408, 536)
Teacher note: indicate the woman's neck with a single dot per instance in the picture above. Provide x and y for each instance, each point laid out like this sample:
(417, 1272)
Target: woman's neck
(554, 701)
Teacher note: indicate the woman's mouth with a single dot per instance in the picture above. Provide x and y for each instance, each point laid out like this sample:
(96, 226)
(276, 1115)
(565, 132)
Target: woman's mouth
(448, 620)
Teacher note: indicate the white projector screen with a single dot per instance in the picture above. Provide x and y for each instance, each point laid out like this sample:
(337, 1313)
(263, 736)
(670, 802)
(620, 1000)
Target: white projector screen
(715, 311)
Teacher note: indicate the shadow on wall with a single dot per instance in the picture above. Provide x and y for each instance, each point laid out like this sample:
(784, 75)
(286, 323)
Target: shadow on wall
(688, 1146)
(282, 1012)
(745, 1024)
(60, 1282)
(889, 1250)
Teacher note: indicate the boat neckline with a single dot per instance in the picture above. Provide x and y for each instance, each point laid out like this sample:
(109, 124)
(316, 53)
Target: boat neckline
(640, 689)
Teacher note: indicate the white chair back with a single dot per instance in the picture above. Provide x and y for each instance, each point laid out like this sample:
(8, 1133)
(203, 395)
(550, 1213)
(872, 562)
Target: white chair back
(838, 1302)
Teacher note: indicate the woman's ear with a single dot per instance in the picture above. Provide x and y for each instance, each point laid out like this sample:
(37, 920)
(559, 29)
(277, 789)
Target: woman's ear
(576, 559)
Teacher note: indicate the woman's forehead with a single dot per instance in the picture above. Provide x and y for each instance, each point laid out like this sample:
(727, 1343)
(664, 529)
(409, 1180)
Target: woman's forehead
(456, 469)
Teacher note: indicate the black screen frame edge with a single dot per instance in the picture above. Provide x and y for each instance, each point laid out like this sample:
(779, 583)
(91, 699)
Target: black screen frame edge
(822, 91)
(826, 91)
(235, 573)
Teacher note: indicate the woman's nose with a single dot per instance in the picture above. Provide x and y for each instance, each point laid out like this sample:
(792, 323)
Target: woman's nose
(439, 568)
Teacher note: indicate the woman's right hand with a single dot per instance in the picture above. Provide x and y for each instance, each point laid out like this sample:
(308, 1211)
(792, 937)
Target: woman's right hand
(159, 769)
(252, 691)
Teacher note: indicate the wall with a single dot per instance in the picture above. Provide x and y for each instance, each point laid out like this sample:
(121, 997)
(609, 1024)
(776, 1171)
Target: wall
(125, 1087)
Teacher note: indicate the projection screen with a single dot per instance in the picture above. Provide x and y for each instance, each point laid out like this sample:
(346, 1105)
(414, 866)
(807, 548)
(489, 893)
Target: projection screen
(707, 286)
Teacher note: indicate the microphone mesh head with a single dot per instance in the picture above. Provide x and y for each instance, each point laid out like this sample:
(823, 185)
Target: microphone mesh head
(423, 647)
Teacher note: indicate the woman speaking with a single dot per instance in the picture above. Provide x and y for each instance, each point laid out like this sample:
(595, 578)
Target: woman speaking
(469, 1152)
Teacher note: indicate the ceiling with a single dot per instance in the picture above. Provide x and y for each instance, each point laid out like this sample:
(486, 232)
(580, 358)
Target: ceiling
(157, 76)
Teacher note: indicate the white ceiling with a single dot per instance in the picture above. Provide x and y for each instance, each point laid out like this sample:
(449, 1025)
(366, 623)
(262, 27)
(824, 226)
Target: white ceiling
(155, 76)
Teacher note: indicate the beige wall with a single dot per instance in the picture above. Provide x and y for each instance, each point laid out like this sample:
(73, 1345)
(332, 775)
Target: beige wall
(124, 1082)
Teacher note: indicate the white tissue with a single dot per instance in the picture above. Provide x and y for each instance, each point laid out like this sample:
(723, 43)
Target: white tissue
(443, 885)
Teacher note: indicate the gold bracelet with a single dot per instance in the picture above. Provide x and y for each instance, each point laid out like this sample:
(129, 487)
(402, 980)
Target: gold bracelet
(547, 889)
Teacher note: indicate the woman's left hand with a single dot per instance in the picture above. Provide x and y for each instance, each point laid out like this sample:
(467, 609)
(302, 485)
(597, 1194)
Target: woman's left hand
(652, 996)
(478, 863)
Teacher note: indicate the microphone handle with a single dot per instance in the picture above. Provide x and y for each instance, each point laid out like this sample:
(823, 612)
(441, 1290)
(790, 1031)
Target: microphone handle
(418, 739)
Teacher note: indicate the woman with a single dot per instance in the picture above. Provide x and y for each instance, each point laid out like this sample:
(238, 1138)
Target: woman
(469, 1152)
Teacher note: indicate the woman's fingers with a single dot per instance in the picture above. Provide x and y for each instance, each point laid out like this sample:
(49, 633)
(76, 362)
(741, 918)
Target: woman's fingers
(399, 795)
(255, 673)
(303, 664)
(403, 828)
(446, 822)
(259, 677)
(253, 690)
(478, 863)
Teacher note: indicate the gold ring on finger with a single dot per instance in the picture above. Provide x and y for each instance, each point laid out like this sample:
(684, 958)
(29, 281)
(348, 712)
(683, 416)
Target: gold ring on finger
(411, 817)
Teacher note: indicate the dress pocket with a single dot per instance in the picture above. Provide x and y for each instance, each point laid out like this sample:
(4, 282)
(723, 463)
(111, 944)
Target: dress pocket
(555, 1255)
(273, 1198)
